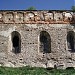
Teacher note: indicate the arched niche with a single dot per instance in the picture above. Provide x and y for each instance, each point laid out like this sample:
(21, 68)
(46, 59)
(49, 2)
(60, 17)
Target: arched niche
(68, 16)
(49, 16)
(9, 17)
(29, 16)
(20, 17)
(16, 42)
(45, 42)
(70, 40)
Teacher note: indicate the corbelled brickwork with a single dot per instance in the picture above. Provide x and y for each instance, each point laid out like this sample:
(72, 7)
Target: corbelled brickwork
(37, 38)
(37, 17)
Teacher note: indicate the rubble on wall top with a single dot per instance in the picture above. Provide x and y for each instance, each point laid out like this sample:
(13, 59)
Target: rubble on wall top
(37, 16)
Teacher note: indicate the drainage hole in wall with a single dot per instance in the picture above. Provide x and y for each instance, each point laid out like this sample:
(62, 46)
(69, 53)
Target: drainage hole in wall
(20, 59)
(2, 43)
(9, 18)
(59, 18)
(50, 18)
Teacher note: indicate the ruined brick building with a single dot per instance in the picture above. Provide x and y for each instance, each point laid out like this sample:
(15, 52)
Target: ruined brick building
(37, 38)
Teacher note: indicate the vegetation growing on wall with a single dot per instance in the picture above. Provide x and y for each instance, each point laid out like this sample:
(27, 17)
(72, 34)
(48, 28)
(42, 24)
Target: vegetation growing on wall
(73, 8)
(31, 8)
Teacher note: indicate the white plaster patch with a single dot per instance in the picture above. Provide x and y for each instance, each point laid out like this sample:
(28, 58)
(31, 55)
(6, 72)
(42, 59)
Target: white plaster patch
(7, 33)
(0, 15)
(31, 15)
(74, 30)
(32, 25)
(68, 15)
(58, 25)
(17, 16)
(49, 14)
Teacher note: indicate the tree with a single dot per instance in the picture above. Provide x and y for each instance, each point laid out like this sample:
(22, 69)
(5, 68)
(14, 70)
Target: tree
(31, 8)
(73, 8)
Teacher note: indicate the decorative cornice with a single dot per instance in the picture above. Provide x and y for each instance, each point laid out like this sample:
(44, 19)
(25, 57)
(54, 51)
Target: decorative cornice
(37, 17)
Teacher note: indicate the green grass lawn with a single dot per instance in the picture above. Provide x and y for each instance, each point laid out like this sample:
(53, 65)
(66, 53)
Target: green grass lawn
(34, 71)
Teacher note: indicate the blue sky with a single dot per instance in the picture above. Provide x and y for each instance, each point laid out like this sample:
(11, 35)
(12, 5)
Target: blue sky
(38, 4)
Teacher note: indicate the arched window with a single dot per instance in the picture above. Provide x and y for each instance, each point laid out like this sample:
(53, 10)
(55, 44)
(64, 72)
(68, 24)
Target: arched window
(16, 42)
(45, 42)
(70, 40)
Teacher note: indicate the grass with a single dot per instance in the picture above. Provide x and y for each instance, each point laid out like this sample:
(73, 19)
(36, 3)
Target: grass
(34, 71)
